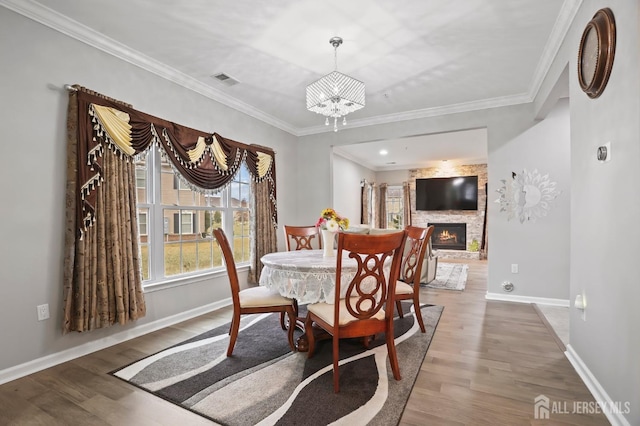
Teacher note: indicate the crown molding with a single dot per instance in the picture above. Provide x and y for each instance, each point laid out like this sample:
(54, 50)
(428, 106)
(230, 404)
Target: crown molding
(567, 14)
(82, 33)
(426, 112)
(337, 149)
(61, 23)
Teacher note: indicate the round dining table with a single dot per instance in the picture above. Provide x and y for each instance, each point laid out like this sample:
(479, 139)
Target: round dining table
(308, 277)
(305, 275)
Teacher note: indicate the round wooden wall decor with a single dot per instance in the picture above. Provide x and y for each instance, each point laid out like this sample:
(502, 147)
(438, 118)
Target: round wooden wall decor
(596, 53)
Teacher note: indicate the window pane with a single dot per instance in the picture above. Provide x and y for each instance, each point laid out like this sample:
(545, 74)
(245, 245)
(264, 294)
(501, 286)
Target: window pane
(189, 256)
(186, 225)
(172, 258)
(212, 219)
(172, 242)
(142, 224)
(241, 235)
(143, 214)
(144, 252)
(394, 208)
(205, 254)
(141, 180)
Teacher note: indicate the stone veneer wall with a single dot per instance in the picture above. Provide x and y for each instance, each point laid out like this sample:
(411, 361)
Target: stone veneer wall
(473, 219)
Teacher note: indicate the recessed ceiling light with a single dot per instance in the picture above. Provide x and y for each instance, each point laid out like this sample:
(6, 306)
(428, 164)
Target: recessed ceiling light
(383, 152)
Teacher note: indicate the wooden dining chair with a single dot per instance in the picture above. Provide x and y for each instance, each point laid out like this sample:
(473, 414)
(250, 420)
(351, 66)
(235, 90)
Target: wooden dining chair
(408, 284)
(254, 300)
(302, 237)
(368, 306)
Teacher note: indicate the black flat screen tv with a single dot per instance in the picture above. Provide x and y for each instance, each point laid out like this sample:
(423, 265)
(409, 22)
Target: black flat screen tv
(450, 193)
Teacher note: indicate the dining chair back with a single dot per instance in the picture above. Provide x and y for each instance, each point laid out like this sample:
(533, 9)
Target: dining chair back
(408, 284)
(302, 237)
(253, 300)
(367, 307)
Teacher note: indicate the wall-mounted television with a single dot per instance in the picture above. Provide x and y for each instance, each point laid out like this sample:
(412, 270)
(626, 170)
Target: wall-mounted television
(449, 193)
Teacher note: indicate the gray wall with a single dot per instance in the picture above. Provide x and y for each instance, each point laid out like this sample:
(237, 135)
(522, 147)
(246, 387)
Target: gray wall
(347, 176)
(393, 177)
(36, 63)
(540, 248)
(605, 205)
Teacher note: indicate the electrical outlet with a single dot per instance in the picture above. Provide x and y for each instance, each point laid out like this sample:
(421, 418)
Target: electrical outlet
(514, 268)
(43, 312)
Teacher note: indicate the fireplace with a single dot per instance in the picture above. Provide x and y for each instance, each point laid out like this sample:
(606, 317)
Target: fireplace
(449, 236)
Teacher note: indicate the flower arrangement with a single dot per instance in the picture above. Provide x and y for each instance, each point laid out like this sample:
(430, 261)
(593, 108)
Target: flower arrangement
(332, 221)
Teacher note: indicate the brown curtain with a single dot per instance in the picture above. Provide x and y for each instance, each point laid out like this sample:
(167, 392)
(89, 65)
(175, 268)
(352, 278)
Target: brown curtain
(367, 190)
(406, 203)
(263, 234)
(102, 279)
(102, 283)
(382, 206)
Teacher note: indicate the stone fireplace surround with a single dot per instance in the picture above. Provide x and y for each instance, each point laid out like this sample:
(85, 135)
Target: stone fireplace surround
(474, 220)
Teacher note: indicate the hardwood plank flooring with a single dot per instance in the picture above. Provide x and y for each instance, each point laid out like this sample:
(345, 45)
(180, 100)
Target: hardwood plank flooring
(486, 364)
(488, 361)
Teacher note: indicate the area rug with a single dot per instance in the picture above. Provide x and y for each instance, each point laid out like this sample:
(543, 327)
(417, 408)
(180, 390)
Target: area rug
(264, 383)
(450, 276)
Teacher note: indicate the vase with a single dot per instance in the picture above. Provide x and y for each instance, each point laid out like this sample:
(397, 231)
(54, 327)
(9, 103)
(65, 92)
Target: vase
(328, 238)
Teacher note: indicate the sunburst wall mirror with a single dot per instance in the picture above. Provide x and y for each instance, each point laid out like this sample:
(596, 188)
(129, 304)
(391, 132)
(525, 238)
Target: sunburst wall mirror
(527, 196)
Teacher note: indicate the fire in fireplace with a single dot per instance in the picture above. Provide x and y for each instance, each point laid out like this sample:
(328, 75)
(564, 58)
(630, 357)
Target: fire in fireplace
(449, 236)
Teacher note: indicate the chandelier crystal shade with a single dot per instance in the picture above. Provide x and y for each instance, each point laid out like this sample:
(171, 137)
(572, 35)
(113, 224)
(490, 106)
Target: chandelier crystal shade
(335, 95)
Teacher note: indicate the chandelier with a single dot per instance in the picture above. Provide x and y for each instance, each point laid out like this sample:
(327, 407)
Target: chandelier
(335, 95)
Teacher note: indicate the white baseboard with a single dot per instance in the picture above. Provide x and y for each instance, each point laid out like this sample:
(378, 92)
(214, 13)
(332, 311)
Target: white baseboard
(599, 394)
(48, 361)
(527, 299)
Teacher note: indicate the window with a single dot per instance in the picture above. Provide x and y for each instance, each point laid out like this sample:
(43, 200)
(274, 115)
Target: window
(395, 208)
(142, 222)
(141, 176)
(178, 222)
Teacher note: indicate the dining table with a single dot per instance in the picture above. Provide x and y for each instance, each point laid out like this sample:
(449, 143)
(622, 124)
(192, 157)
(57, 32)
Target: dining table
(308, 276)
(305, 275)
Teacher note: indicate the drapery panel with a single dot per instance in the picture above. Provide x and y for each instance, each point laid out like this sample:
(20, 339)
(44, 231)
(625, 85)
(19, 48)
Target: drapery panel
(263, 236)
(102, 282)
(367, 203)
(381, 213)
(406, 204)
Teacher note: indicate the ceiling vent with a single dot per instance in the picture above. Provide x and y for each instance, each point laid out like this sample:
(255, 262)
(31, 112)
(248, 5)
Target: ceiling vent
(225, 79)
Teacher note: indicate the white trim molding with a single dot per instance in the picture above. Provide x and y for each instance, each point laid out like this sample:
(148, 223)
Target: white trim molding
(599, 394)
(48, 361)
(89, 36)
(65, 25)
(527, 299)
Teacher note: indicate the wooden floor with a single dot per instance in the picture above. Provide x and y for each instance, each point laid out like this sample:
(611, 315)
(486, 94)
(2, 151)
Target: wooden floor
(486, 364)
(489, 360)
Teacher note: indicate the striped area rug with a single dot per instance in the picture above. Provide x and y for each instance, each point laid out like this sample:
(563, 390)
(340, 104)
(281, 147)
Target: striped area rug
(264, 383)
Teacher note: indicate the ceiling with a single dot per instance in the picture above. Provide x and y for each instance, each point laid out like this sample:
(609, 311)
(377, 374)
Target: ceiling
(454, 148)
(417, 57)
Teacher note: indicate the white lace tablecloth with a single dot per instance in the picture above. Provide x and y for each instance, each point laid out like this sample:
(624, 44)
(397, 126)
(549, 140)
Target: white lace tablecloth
(306, 275)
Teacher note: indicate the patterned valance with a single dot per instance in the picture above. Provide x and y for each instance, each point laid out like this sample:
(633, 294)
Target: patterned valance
(206, 162)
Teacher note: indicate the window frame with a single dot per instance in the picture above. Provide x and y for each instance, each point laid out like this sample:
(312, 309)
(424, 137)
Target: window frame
(394, 200)
(146, 223)
(156, 235)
